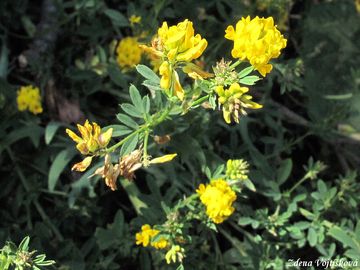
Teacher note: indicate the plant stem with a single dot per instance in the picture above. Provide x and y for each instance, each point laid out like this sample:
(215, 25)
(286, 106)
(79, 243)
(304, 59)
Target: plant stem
(296, 185)
(146, 140)
(146, 127)
(238, 62)
(117, 145)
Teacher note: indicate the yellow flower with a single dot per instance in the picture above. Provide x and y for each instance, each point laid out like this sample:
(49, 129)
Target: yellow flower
(176, 253)
(256, 40)
(134, 19)
(218, 198)
(175, 45)
(91, 139)
(237, 169)
(28, 98)
(234, 101)
(128, 53)
(178, 42)
(145, 238)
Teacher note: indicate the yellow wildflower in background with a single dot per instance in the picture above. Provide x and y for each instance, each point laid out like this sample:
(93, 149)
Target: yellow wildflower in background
(128, 53)
(175, 45)
(357, 5)
(91, 139)
(134, 19)
(145, 238)
(218, 198)
(256, 40)
(234, 101)
(28, 98)
(237, 169)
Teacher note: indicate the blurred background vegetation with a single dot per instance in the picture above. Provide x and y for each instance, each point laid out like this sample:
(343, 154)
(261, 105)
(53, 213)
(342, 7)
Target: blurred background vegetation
(311, 118)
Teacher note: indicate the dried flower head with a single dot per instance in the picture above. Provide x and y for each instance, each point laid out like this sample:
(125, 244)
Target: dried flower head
(128, 164)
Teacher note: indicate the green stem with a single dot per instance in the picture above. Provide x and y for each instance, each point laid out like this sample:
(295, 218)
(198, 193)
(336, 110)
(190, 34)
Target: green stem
(117, 145)
(154, 122)
(296, 185)
(146, 140)
(238, 62)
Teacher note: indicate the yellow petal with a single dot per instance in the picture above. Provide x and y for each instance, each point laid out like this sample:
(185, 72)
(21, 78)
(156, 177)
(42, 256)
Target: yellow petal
(230, 33)
(165, 72)
(73, 136)
(163, 159)
(83, 165)
(105, 137)
(179, 91)
(226, 115)
(196, 72)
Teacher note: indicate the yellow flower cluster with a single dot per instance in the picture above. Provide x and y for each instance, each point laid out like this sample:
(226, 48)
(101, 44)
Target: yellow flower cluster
(234, 101)
(256, 40)
(218, 198)
(145, 237)
(176, 253)
(91, 139)
(176, 45)
(28, 98)
(128, 53)
(237, 169)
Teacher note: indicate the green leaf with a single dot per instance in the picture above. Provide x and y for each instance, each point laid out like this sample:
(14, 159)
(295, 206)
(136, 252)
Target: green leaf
(136, 98)
(245, 72)
(50, 131)
(24, 245)
(321, 187)
(4, 60)
(40, 258)
(243, 221)
(46, 263)
(284, 171)
(129, 145)
(352, 254)
(127, 120)
(32, 131)
(131, 110)
(343, 237)
(118, 130)
(250, 185)
(307, 213)
(60, 162)
(146, 104)
(312, 237)
(219, 170)
(147, 73)
(250, 80)
(116, 76)
(116, 17)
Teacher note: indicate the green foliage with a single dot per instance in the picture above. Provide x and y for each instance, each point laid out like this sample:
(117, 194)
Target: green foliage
(19, 258)
(292, 206)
